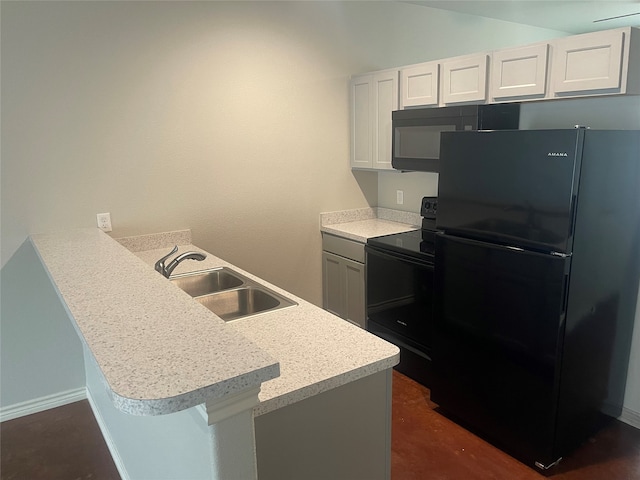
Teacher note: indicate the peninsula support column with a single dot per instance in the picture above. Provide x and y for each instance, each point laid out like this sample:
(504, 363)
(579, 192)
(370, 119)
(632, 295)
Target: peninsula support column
(233, 436)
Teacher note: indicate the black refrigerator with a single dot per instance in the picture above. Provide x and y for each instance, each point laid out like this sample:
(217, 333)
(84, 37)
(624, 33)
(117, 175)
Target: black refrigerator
(536, 280)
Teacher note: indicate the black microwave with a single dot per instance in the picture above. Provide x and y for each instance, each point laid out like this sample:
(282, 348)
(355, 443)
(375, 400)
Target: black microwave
(415, 143)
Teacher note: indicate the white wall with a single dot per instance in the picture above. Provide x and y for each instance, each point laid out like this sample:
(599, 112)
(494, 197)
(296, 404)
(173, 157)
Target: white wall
(40, 353)
(229, 118)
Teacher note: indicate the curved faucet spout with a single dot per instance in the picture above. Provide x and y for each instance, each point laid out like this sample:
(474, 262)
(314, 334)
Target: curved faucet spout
(166, 270)
(184, 256)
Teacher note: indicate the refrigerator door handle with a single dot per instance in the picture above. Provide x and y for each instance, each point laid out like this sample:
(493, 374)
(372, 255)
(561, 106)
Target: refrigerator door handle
(561, 254)
(565, 297)
(572, 214)
(470, 241)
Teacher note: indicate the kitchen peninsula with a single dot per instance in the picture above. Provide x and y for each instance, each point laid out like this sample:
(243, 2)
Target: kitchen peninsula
(175, 388)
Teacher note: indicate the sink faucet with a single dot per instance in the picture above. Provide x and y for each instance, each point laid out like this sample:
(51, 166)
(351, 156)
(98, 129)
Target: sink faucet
(166, 270)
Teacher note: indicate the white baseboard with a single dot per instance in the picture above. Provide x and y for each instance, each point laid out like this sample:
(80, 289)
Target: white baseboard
(631, 417)
(107, 438)
(41, 404)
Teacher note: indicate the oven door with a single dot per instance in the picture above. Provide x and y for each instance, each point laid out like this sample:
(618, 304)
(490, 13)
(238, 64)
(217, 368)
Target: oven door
(399, 297)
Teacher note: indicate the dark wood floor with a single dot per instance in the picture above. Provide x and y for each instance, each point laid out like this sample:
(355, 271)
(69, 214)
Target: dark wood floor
(427, 445)
(65, 444)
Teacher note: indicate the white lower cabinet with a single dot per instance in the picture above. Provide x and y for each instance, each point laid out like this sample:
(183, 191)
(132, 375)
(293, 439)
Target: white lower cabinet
(343, 278)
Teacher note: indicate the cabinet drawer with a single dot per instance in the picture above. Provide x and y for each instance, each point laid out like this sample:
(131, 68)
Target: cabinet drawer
(343, 247)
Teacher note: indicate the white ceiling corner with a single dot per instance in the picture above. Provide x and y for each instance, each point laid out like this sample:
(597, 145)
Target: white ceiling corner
(570, 16)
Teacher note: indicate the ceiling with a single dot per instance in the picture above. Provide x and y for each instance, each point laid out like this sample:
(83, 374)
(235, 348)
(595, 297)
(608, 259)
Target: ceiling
(571, 16)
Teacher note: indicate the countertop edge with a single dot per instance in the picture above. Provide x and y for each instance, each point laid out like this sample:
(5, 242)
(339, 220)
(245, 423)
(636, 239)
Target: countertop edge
(362, 230)
(308, 391)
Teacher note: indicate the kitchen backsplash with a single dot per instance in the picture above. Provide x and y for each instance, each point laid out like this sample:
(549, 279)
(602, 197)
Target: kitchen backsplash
(156, 240)
(359, 214)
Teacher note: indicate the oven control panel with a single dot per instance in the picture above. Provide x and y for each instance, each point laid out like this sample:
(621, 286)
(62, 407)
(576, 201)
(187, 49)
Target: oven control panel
(429, 207)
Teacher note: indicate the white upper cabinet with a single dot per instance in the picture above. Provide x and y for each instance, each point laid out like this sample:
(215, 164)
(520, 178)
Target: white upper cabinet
(464, 79)
(373, 97)
(419, 85)
(361, 121)
(519, 73)
(385, 100)
(595, 63)
(598, 63)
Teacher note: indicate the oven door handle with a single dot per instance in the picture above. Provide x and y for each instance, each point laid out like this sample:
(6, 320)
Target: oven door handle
(388, 255)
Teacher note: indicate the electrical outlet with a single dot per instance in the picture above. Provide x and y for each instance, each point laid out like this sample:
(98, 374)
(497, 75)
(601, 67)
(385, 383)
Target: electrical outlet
(104, 222)
(399, 197)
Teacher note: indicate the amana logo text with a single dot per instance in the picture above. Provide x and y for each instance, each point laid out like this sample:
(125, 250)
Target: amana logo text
(557, 154)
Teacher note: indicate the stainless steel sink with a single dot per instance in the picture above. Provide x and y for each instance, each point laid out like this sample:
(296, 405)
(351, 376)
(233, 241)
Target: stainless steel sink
(243, 302)
(229, 294)
(208, 281)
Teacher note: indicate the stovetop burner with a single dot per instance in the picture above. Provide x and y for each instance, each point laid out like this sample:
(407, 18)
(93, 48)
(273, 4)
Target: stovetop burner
(414, 242)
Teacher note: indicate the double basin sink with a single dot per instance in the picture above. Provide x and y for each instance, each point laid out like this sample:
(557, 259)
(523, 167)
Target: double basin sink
(229, 294)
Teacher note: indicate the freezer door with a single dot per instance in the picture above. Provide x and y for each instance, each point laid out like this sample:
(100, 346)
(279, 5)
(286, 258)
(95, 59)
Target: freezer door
(515, 187)
(499, 323)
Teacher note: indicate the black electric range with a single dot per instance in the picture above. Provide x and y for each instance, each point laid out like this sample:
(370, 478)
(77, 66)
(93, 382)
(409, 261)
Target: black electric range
(400, 292)
(417, 243)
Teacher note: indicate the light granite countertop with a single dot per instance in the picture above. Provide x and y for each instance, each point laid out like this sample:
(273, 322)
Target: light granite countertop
(364, 223)
(317, 351)
(160, 351)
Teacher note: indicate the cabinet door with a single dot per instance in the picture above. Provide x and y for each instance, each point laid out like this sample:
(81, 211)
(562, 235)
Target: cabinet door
(343, 288)
(588, 62)
(385, 101)
(464, 79)
(373, 98)
(519, 72)
(419, 85)
(332, 290)
(353, 276)
(361, 121)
